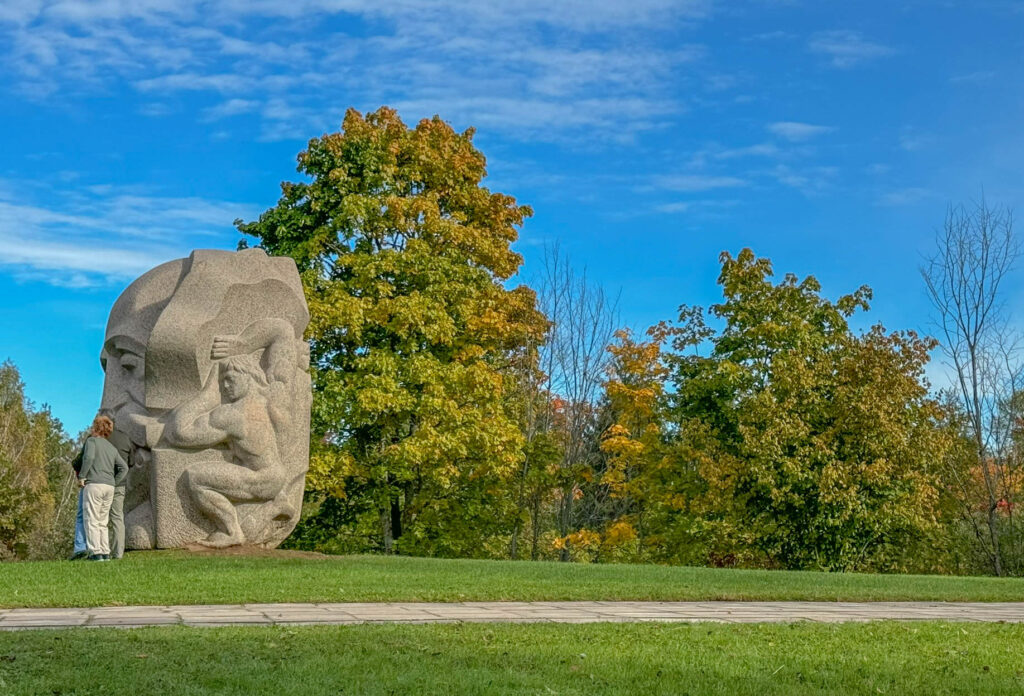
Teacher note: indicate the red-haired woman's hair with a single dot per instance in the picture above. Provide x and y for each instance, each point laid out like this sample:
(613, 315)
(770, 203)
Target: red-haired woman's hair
(102, 426)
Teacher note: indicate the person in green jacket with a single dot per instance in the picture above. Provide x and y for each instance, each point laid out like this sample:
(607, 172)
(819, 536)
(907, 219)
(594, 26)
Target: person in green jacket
(102, 468)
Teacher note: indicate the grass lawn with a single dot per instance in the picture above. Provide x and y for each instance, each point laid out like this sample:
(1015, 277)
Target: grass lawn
(177, 577)
(886, 658)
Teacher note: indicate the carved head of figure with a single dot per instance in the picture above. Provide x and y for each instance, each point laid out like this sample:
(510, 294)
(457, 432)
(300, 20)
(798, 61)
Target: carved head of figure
(123, 356)
(156, 356)
(238, 375)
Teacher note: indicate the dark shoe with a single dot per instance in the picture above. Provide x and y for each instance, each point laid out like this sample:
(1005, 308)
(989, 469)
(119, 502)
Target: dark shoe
(78, 556)
(95, 557)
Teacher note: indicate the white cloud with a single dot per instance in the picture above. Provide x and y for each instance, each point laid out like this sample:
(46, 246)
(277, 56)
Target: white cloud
(697, 182)
(904, 196)
(758, 150)
(846, 49)
(777, 35)
(807, 180)
(976, 78)
(195, 82)
(912, 142)
(230, 107)
(796, 131)
(571, 67)
(677, 207)
(89, 236)
(702, 208)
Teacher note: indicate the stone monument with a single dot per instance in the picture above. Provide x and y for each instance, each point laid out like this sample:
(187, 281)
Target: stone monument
(208, 375)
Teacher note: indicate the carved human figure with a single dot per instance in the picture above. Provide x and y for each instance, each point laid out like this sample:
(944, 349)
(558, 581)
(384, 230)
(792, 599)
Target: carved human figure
(243, 407)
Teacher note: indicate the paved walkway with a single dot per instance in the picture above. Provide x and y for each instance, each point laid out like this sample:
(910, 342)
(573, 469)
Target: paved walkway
(557, 612)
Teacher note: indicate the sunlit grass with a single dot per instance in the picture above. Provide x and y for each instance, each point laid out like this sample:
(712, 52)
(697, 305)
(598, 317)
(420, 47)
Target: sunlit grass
(886, 658)
(178, 577)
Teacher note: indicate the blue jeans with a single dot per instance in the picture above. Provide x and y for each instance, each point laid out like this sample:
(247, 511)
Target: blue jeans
(80, 546)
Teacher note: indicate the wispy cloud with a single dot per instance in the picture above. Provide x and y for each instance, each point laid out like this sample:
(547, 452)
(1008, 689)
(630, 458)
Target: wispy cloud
(977, 77)
(771, 36)
(846, 49)
(758, 150)
(677, 207)
(795, 131)
(93, 235)
(697, 182)
(809, 181)
(904, 196)
(528, 69)
(912, 141)
(703, 208)
(230, 107)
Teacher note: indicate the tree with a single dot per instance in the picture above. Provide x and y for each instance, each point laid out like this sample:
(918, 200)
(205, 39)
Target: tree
(976, 250)
(574, 361)
(35, 474)
(634, 443)
(814, 447)
(404, 257)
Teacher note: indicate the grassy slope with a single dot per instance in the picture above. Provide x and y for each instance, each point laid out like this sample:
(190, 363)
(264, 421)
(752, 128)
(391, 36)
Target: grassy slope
(183, 578)
(515, 659)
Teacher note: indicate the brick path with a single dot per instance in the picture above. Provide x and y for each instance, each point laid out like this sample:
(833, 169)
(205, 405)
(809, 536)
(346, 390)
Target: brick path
(557, 612)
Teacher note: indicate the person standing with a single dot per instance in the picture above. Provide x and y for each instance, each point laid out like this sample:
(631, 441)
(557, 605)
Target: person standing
(102, 466)
(80, 549)
(123, 445)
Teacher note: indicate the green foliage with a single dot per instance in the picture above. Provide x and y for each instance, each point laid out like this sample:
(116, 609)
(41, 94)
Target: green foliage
(34, 474)
(403, 256)
(815, 447)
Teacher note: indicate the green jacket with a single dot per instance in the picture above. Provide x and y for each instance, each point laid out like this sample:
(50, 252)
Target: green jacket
(124, 447)
(102, 464)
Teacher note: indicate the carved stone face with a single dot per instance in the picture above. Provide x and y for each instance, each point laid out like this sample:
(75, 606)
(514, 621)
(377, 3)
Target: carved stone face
(234, 385)
(124, 352)
(124, 366)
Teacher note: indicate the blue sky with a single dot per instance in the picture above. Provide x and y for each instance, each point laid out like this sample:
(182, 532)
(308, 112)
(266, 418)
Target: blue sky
(647, 135)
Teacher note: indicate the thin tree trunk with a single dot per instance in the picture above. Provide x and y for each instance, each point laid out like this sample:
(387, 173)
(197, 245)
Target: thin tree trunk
(396, 518)
(385, 525)
(535, 528)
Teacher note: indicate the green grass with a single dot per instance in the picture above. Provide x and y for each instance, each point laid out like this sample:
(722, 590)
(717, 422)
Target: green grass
(876, 658)
(175, 577)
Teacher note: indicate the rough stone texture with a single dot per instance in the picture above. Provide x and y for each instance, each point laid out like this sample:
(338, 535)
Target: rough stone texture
(207, 373)
(511, 612)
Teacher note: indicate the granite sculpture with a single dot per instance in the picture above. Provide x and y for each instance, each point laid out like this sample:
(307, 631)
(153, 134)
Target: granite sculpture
(207, 373)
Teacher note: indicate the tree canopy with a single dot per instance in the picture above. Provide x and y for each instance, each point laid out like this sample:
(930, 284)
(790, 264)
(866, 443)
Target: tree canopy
(814, 446)
(35, 476)
(404, 255)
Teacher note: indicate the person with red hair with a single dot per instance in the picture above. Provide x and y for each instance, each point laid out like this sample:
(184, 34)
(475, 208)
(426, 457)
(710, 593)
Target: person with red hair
(102, 468)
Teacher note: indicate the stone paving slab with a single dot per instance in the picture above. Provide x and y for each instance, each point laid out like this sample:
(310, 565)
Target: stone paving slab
(506, 612)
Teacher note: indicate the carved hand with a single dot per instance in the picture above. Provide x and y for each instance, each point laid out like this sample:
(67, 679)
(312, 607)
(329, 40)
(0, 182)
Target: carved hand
(225, 346)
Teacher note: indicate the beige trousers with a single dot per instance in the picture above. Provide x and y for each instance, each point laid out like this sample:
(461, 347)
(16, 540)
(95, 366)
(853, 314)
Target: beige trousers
(96, 501)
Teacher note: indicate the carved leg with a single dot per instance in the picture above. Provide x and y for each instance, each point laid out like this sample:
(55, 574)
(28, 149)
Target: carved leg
(222, 511)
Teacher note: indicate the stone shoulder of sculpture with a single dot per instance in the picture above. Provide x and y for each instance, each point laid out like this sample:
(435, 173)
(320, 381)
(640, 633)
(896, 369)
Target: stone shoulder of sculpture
(207, 373)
